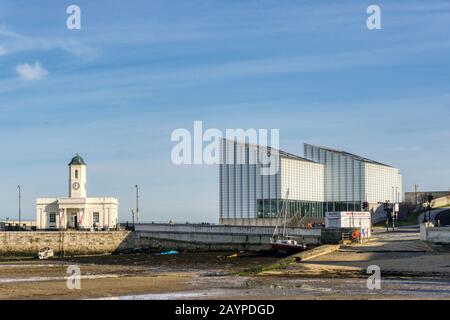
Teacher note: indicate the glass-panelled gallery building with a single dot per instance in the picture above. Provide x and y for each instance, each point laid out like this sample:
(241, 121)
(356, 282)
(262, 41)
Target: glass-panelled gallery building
(256, 180)
(252, 191)
(351, 180)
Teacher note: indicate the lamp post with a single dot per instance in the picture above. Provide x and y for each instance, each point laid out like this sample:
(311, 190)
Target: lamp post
(135, 211)
(20, 209)
(386, 209)
(424, 207)
(137, 203)
(430, 200)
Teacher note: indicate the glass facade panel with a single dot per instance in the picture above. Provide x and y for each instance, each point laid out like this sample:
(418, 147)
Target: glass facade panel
(341, 206)
(293, 207)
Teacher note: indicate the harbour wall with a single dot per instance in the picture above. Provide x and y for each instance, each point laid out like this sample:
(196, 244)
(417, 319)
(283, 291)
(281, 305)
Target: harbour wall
(215, 237)
(67, 242)
(150, 236)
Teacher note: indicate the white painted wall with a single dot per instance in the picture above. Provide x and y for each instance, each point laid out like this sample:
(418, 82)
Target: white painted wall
(106, 207)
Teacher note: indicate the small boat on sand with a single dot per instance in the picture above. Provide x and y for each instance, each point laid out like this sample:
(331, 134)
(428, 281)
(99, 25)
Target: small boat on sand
(280, 241)
(288, 246)
(45, 253)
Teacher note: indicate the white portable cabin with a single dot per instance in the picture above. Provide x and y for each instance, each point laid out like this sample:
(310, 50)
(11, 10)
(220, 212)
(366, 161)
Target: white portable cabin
(350, 219)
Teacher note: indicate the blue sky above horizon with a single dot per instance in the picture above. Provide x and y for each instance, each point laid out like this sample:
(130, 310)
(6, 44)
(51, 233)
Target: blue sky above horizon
(116, 89)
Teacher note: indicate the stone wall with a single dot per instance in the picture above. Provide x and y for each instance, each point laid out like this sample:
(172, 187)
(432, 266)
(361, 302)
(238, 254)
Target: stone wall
(68, 242)
(410, 197)
(153, 237)
(441, 202)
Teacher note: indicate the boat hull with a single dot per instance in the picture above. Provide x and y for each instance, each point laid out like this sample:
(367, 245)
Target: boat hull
(288, 248)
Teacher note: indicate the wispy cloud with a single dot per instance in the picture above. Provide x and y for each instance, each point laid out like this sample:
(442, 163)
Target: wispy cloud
(13, 42)
(30, 72)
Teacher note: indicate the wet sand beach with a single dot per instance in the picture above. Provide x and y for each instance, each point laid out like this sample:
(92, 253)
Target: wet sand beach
(122, 274)
(208, 276)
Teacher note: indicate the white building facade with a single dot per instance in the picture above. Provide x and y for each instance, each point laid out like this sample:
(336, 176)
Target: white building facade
(250, 195)
(77, 211)
(324, 180)
(351, 180)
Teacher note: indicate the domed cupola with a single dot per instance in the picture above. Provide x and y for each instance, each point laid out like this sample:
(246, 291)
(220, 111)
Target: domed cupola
(77, 160)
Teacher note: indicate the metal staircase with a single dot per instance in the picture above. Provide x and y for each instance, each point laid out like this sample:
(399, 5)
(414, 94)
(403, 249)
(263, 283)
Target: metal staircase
(301, 221)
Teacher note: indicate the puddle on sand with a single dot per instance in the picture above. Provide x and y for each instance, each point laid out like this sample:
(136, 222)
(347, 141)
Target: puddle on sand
(36, 265)
(171, 295)
(40, 279)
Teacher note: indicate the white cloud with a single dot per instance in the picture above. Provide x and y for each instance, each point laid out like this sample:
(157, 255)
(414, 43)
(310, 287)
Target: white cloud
(30, 72)
(13, 42)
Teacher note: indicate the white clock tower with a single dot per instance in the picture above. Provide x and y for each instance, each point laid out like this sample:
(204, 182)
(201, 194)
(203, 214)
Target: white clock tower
(77, 211)
(77, 177)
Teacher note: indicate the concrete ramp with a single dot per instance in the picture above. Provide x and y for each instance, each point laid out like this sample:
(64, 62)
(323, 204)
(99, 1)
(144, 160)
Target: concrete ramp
(394, 246)
(400, 241)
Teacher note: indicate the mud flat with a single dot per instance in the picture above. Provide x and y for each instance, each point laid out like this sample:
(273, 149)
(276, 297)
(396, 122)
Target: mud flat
(127, 275)
(337, 275)
(410, 269)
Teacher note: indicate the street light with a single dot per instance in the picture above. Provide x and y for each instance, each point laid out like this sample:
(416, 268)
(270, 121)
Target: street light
(430, 199)
(388, 211)
(135, 211)
(137, 203)
(20, 209)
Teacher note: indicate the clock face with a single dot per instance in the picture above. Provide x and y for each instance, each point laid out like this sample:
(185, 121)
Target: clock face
(76, 185)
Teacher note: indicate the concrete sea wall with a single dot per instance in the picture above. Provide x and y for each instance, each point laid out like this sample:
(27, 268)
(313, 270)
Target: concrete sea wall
(153, 237)
(435, 235)
(215, 237)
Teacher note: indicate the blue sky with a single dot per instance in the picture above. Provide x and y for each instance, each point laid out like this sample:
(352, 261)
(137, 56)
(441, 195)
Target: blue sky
(116, 89)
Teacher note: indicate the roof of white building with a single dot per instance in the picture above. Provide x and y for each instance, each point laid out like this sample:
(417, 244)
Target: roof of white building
(293, 156)
(296, 157)
(280, 152)
(350, 155)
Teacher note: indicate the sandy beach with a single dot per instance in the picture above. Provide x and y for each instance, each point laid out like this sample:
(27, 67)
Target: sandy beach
(213, 275)
(121, 275)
